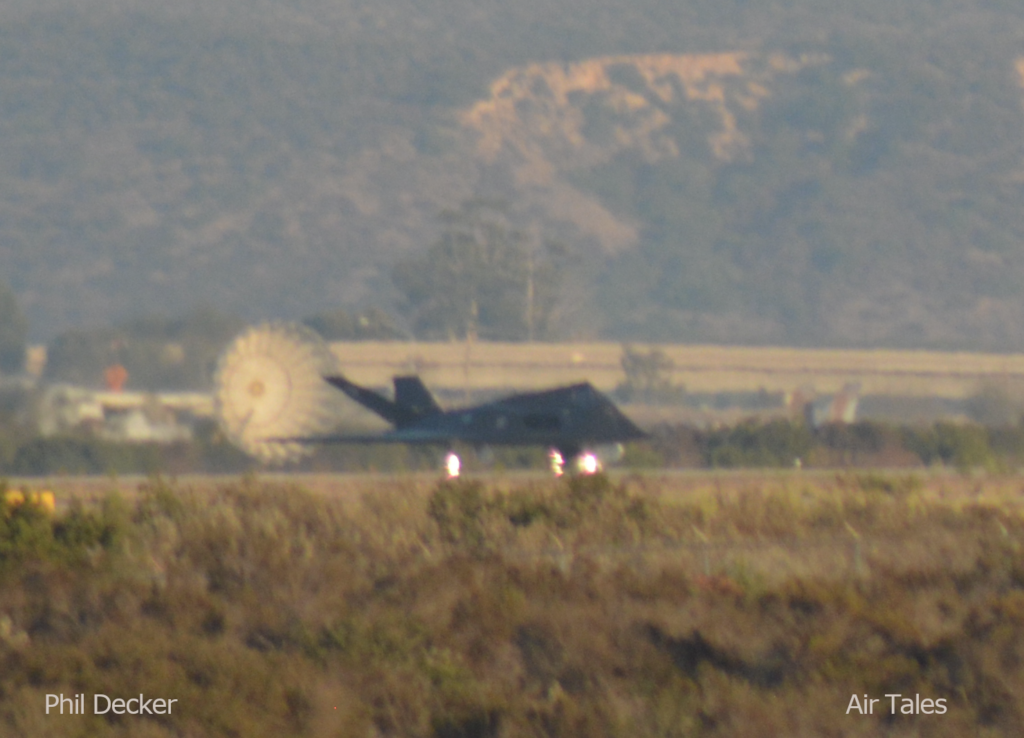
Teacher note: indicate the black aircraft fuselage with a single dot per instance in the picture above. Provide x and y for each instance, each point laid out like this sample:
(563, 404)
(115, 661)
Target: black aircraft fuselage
(568, 419)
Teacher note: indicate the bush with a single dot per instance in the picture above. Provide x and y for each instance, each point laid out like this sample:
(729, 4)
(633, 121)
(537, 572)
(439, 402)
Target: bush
(962, 446)
(457, 506)
(776, 443)
(31, 535)
(269, 611)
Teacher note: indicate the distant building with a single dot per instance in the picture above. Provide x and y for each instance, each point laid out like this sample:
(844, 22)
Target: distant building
(839, 408)
(134, 417)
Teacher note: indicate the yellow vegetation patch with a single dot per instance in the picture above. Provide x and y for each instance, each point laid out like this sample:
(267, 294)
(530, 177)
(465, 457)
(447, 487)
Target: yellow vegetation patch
(44, 499)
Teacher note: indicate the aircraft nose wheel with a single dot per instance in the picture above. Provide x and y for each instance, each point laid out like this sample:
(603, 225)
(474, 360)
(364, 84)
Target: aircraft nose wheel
(452, 464)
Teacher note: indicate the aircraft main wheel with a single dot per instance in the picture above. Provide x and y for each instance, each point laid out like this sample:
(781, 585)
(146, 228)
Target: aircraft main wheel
(452, 464)
(588, 463)
(585, 462)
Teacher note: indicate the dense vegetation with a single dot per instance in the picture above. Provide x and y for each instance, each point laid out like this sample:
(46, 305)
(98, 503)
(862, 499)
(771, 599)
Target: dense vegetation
(782, 443)
(579, 608)
(278, 159)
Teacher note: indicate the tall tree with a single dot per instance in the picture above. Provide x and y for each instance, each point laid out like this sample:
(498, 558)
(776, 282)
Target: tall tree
(13, 332)
(482, 276)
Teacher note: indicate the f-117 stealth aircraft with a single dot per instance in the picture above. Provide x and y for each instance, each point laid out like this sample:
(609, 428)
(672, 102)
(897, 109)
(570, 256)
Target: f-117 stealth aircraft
(567, 420)
(274, 400)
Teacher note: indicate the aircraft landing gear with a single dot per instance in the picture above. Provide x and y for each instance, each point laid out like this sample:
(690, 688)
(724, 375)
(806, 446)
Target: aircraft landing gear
(556, 461)
(452, 464)
(588, 463)
(581, 462)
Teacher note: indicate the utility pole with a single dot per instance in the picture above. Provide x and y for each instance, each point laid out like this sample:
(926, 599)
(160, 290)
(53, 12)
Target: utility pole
(474, 313)
(529, 291)
(533, 245)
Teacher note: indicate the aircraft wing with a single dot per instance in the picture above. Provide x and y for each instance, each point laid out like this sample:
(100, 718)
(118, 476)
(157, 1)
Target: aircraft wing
(410, 437)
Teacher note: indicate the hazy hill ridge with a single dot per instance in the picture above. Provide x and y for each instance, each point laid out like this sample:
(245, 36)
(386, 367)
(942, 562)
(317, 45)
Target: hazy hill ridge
(719, 172)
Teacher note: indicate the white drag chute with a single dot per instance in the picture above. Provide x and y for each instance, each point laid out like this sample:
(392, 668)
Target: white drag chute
(270, 384)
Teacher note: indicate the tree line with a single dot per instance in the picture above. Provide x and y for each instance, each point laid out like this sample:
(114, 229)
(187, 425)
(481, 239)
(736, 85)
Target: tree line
(782, 443)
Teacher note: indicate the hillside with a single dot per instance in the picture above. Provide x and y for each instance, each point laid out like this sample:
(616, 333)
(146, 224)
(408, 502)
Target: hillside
(841, 176)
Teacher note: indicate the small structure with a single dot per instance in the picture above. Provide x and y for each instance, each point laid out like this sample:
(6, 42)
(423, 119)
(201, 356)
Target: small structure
(136, 417)
(839, 408)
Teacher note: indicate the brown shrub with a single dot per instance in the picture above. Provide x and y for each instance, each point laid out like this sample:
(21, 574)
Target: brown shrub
(583, 607)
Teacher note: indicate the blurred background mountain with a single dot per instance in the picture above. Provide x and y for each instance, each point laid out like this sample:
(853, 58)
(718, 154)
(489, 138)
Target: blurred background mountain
(840, 174)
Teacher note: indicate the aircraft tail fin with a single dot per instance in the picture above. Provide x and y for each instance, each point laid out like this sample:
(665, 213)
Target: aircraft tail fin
(368, 399)
(412, 395)
(412, 400)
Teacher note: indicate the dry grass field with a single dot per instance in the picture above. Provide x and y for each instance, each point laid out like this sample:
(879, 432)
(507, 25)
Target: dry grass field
(485, 365)
(692, 604)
